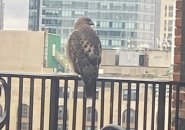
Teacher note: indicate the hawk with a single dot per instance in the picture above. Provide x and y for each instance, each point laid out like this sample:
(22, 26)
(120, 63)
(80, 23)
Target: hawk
(84, 53)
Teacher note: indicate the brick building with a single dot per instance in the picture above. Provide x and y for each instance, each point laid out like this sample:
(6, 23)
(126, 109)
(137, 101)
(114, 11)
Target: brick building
(177, 52)
(179, 59)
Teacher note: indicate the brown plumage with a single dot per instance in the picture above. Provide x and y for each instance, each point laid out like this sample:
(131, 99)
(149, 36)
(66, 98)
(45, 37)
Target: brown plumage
(84, 53)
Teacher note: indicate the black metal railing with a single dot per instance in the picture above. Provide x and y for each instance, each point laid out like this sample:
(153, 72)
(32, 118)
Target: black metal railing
(132, 104)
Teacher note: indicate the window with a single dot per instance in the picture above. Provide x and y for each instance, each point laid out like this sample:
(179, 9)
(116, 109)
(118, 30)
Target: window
(60, 117)
(170, 14)
(104, 42)
(66, 2)
(89, 128)
(123, 25)
(61, 92)
(60, 127)
(117, 25)
(25, 116)
(43, 12)
(79, 13)
(104, 24)
(93, 5)
(98, 24)
(116, 6)
(60, 112)
(110, 42)
(66, 13)
(110, 24)
(143, 60)
(132, 118)
(147, 26)
(171, 8)
(105, 6)
(52, 30)
(170, 23)
(116, 42)
(129, 25)
(133, 94)
(102, 33)
(170, 28)
(115, 33)
(170, 35)
(25, 111)
(24, 126)
(89, 114)
(170, 11)
(65, 31)
(80, 93)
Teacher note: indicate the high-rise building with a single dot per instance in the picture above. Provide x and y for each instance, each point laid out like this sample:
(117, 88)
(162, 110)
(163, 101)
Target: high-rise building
(125, 24)
(167, 27)
(165, 39)
(34, 14)
(1, 14)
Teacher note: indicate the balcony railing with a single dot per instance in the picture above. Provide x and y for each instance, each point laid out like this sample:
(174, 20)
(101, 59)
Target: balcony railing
(56, 102)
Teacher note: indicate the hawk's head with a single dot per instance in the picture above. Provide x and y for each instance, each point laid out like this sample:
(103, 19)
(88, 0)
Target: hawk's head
(82, 21)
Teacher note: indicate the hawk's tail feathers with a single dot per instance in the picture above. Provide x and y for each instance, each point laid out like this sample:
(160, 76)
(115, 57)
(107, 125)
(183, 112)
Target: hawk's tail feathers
(90, 87)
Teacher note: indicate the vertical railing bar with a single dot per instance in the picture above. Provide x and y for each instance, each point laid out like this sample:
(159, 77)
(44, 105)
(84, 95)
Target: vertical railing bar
(8, 111)
(31, 102)
(119, 103)
(111, 102)
(20, 103)
(137, 106)
(54, 98)
(145, 106)
(102, 104)
(153, 106)
(93, 116)
(161, 106)
(42, 105)
(75, 104)
(177, 108)
(169, 107)
(128, 105)
(65, 104)
(84, 110)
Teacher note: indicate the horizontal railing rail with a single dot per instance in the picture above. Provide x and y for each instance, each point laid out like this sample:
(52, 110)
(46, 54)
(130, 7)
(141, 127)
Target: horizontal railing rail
(57, 102)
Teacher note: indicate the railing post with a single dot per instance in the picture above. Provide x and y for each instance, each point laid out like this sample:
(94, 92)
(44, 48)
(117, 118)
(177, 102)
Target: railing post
(161, 107)
(5, 115)
(54, 97)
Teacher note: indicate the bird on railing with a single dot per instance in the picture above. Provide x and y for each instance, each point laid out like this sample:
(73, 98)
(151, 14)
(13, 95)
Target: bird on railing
(112, 127)
(84, 54)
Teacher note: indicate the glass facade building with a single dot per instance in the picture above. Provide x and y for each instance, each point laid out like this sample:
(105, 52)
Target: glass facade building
(119, 23)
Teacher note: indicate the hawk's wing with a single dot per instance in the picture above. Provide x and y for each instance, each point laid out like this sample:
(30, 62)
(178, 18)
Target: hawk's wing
(84, 53)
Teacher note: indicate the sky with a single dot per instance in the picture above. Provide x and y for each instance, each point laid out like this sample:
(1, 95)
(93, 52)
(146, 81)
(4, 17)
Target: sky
(16, 14)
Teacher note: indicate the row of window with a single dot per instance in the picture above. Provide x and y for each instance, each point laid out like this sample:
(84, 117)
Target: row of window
(101, 5)
(99, 15)
(25, 114)
(102, 24)
(80, 93)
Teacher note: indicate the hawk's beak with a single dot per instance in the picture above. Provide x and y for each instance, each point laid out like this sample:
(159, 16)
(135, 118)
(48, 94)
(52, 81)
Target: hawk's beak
(91, 23)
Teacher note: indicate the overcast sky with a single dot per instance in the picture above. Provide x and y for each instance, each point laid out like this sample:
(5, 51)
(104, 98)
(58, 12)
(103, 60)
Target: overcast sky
(16, 14)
